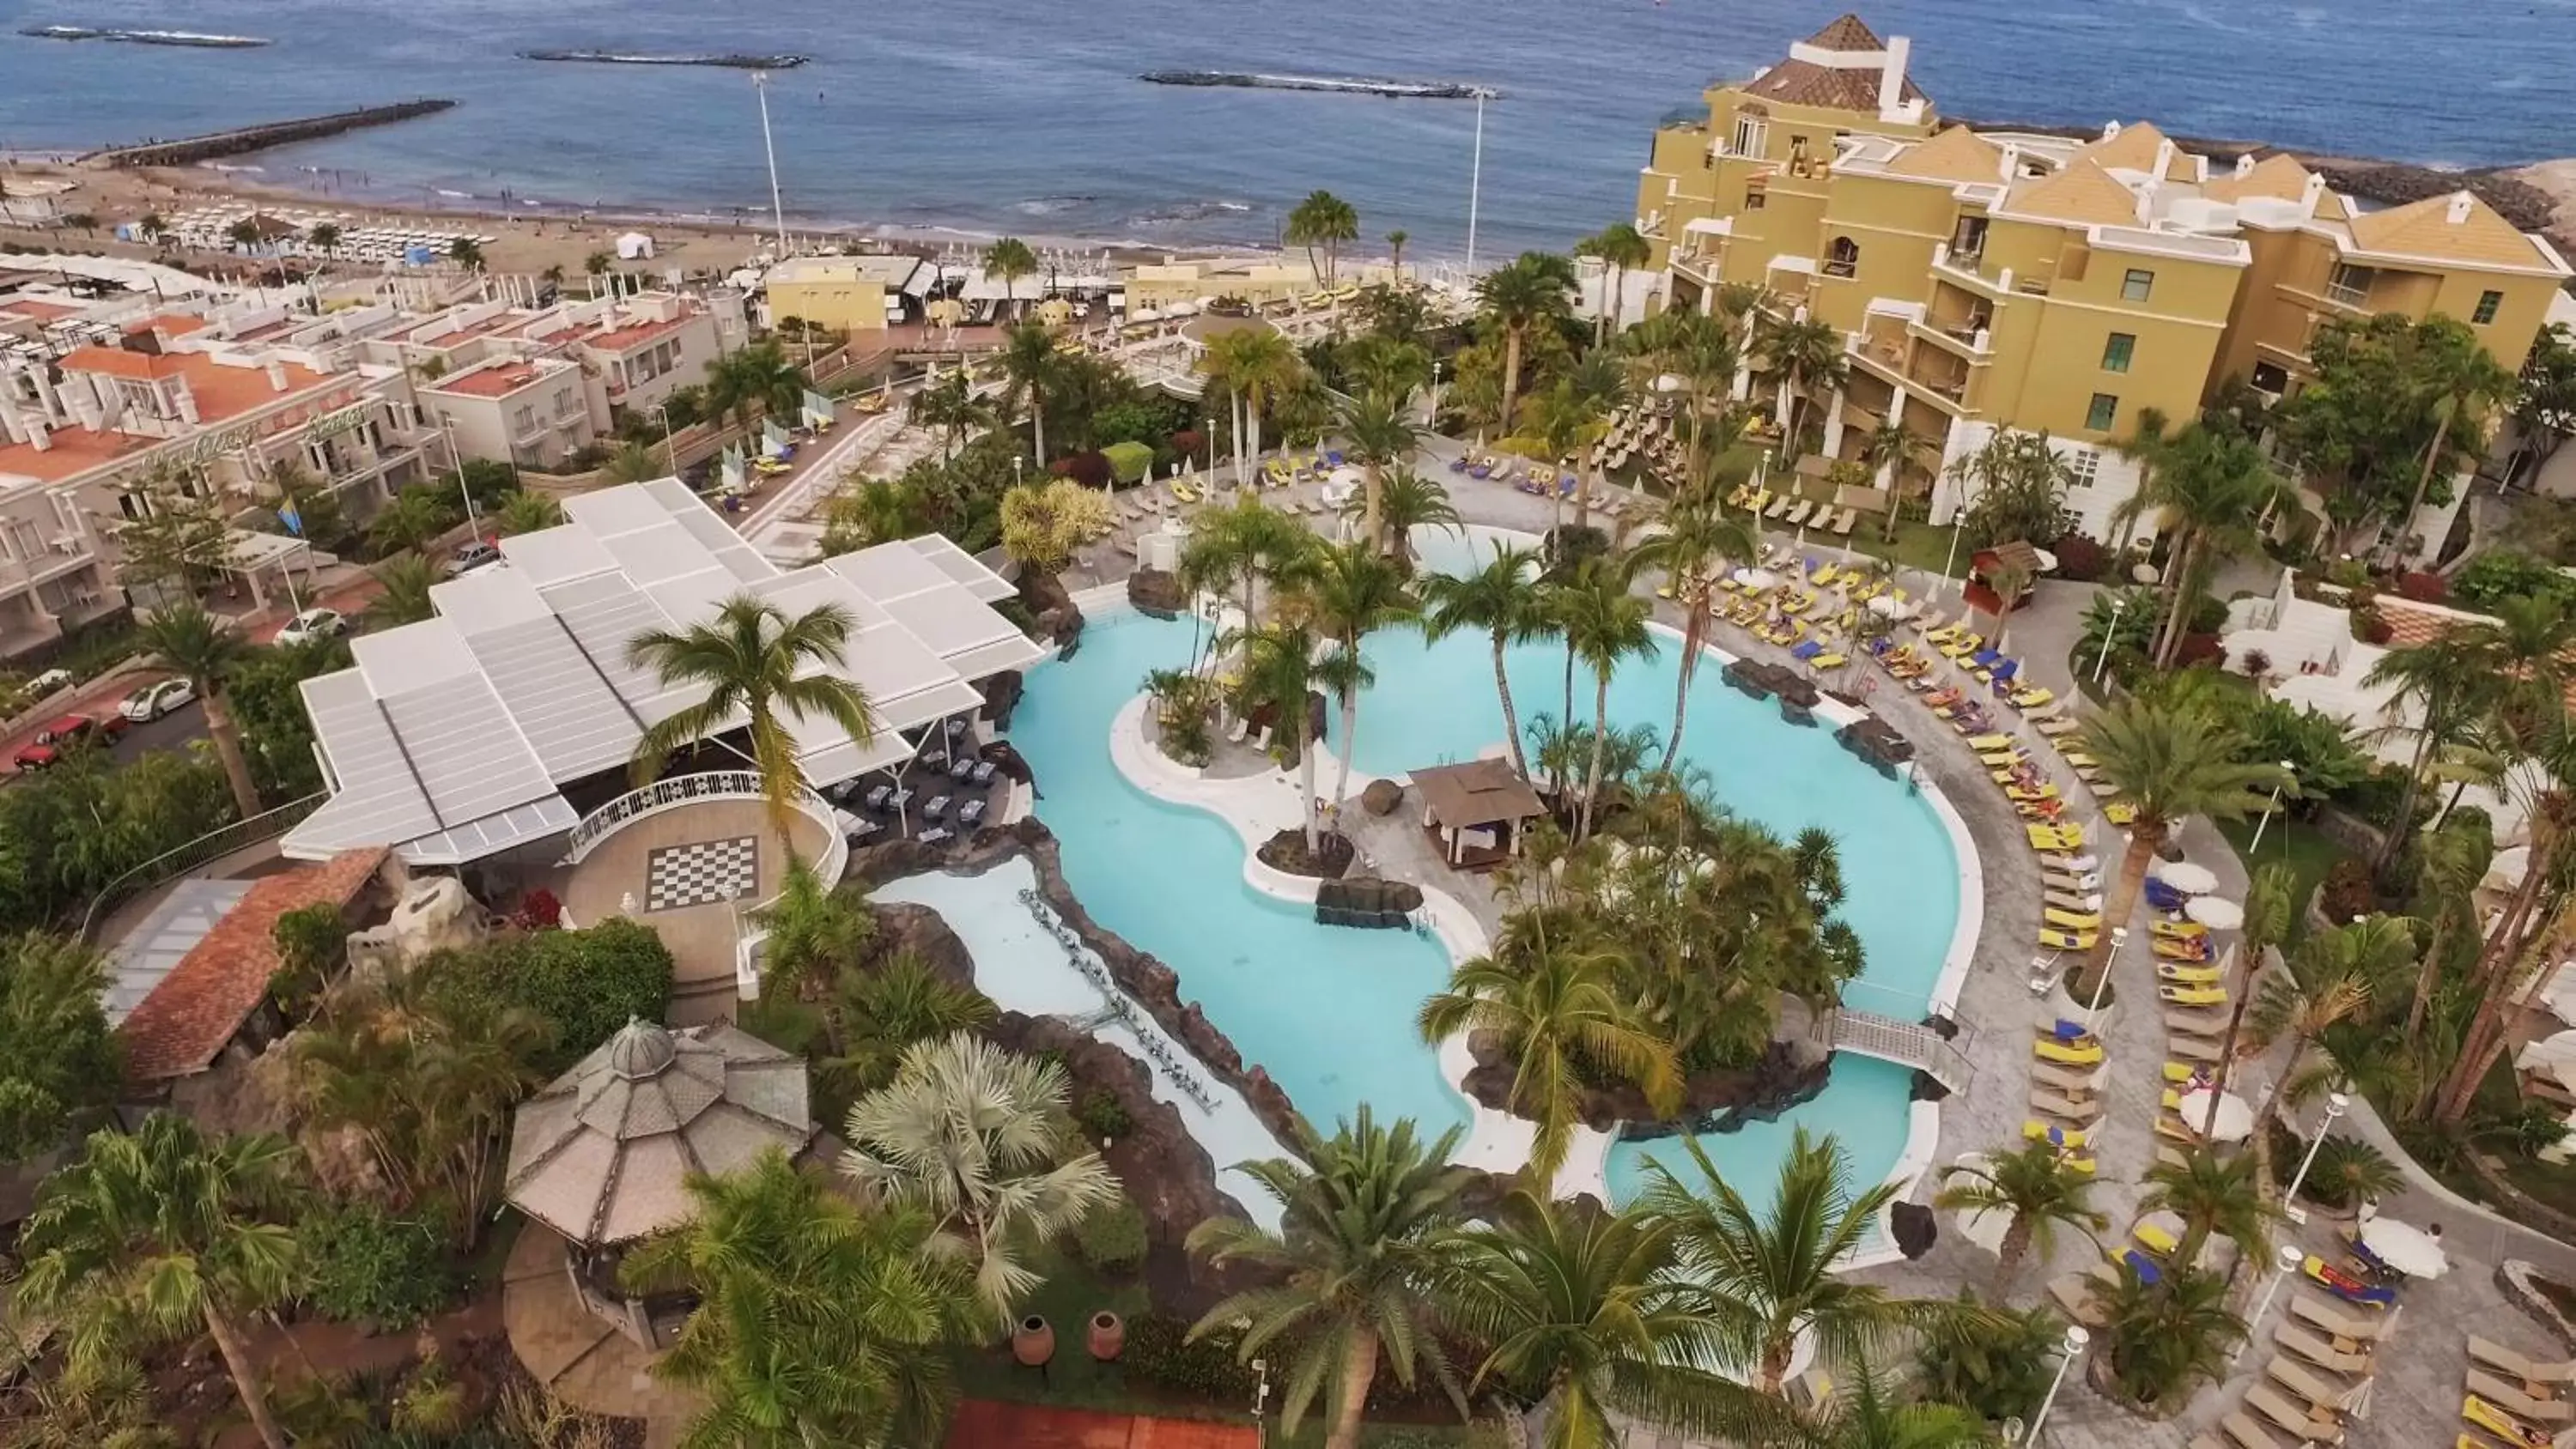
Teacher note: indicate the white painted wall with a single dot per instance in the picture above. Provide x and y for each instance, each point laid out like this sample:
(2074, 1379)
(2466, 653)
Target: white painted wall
(2115, 480)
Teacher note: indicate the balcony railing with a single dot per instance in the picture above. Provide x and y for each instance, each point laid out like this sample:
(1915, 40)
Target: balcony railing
(1844, 270)
(2348, 294)
(678, 790)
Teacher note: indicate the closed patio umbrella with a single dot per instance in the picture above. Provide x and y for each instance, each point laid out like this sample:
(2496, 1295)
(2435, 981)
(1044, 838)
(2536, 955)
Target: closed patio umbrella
(2190, 879)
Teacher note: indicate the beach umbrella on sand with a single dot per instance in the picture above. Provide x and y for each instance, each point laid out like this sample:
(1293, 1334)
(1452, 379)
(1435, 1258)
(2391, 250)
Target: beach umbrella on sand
(2222, 1116)
(2215, 912)
(2405, 1247)
(2190, 879)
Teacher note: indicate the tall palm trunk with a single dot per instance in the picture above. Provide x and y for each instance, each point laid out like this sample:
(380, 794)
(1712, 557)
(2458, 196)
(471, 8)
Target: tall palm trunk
(226, 734)
(1306, 774)
(245, 1376)
(2009, 1253)
(2394, 840)
(1239, 454)
(2177, 598)
(1600, 741)
(1371, 524)
(1582, 491)
(1511, 375)
(1775, 1364)
(1359, 1366)
(1350, 741)
(2144, 837)
(1692, 635)
(2423, 483)
(2235, 1024)
(2269, 1113)
(1037, 425)
(1511, 718)
(2506, 947)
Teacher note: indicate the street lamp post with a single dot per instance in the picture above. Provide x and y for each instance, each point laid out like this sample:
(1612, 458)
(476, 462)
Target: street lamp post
(1260, 1400)
(2119, 943)
(2336, 1104)
(2102, 660)
(2256, 848)
(447, 425)
(2076, 1338)
(2291, 1257)
(1950, 559)
(670, 451)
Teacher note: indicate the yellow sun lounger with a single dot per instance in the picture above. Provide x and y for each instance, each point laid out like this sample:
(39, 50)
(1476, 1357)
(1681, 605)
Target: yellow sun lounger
(2050, 1051)
(2499, 1423)
(2033, 698)
(2186, 975)
(2193, 995)
(2179, 930)
(1982, 744)
(2180, 1071)
(2153, 1238)
(2037, 1131)
(2055, 837)
(2073, 920)
(2070, 941)
(2120, 812)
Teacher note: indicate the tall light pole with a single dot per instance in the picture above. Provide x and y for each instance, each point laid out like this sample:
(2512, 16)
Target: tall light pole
(2119, 943)
(2291, 1257)
(777, 208)
(2102, 660)
(1476, 182)
(2076, 1338)
(2256, 847)
(447, 425)
(2336, 1104)
(670, 453)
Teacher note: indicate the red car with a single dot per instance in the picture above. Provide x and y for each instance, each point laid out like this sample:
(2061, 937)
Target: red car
(63, 734)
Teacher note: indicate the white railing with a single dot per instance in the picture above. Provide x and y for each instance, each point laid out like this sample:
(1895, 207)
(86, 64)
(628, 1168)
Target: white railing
(1905, 1043)
(677, 790)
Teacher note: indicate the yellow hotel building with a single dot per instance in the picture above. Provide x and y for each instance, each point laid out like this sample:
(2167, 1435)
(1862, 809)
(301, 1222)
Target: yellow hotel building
(1987, 280)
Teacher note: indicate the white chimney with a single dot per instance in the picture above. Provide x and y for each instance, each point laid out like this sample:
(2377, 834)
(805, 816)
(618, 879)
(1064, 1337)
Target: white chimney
(2458, 211)
(39, 437)
(1891, 75)
(85, 408)
(2244, 165)
(2311, 194)
(2164, 157)
(2110, 130)
(277, 376)
(186, 399)
(2147, 200)
(2011, 165)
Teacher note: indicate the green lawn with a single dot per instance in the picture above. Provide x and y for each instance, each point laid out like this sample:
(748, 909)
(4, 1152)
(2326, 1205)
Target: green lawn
(1917, 546)
(2308, 851)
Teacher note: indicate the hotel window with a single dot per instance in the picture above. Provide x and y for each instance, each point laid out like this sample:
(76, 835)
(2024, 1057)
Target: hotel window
(2083, 465)
(2271, 377)
(2349, 285)
(1755, 198)
(2137, 285)
(2117, 352)
(522, 419)
(1968, 238)
(2099, 415)
(1752, 136)
(2488, 303)
(1842, 258)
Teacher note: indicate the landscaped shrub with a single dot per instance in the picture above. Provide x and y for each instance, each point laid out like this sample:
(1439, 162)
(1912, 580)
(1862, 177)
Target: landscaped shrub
(1159, 1353)
(1091, 470)
(2370, 626)
(1112, 1239)
(364, 1265)
(2348, 1172)
(2347, 893)
(2080, 559)
(1102, 1116)
(1189, 443)
(538, 911)
(2423, 588)
(2491, 578)
(588, 983)
(2198, 649)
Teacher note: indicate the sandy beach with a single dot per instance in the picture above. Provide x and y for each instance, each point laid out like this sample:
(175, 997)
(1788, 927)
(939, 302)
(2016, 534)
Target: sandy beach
(523, 241)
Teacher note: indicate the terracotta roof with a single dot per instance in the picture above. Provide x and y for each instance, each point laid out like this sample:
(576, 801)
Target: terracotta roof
(185, 1022)
(70, 452)
(985, 1423)
(2279, 177)
(498, 379)
(2134, 149)
(222, 390)
(2425, 229)
(40, 311)
(2082, 193)
(1847, 32)
(1957, 154)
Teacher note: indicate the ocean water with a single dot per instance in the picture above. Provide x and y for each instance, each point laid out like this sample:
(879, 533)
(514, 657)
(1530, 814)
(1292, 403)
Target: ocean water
(1009, 115)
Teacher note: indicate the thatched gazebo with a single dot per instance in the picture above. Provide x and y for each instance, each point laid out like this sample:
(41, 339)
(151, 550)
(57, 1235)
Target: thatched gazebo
(602, 1155)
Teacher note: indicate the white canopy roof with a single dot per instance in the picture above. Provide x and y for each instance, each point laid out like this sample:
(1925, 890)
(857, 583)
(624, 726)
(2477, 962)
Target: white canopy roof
(451, 737)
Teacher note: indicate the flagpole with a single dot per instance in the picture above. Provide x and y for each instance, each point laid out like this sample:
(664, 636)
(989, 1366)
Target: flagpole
(1475, 182)
(777, 207)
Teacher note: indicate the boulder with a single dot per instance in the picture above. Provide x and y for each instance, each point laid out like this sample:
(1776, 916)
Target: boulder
(1001, 696)
(435, 914)
(1381, 797)
(1156, 593)
(1914, 1228)
(921, 931)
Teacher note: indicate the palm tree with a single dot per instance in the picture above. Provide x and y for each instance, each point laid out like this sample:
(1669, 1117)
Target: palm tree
(2447, 688)
(2169, 762)
(883, 1012)
(1586, 1312)
(750, 659)
(528, 511)
(1764, 1280)
(2148, 443)
(1326, 220)
(2336, 976)
(1406, 502)
(1699, 539)
(1030, 366)
(1805, 352)
(1556, 1012)
(153, 227)
(979, 1137)
(631, 463)
(206, 651)
(2211, 490)
(1617, 247)
(811, 928)
(1010, 259)
(409, 520)
(1395, 241)
(2271, 903)
(1605, 627)
(403, 597)
(1361, 1233)
(1354, 591)
(1887, 452)
(949, 405)
(243, 234)
(466, 252)
(1868, 1416)
(1505, 599)
(157, 1235)
(1263, 364)
(2036, 1191)
(1378, 427)
(1599, 384)
(324, 237)
(1531, 288)
(2213, 1192)
(1993, 1360)
(755, 376)
(2160, 1341)
(819, 1322)
(1279, 671)
(2463, 383)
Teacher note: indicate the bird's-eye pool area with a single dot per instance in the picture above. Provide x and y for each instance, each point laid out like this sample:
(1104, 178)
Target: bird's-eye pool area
(1329, 1012)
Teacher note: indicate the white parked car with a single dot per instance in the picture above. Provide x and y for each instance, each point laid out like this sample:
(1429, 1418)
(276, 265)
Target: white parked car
(155, 700)
(310, 625)
(47, 682)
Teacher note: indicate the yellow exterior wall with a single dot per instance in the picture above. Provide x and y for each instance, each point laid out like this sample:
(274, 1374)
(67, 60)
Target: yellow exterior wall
(844, 304)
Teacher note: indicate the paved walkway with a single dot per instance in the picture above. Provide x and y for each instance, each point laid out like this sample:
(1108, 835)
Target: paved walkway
(576, 1354)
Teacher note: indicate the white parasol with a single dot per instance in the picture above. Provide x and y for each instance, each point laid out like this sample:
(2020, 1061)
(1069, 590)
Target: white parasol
(2190, 879)
(1757, 578)
(1984, 1227)
(2405, 1247)
(2215, 912)
(2555, 1055)
(2231, 1120)
(2047, 560)
(1885, 607)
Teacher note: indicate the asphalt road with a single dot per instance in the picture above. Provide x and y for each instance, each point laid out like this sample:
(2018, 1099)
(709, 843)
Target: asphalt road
(170, 732)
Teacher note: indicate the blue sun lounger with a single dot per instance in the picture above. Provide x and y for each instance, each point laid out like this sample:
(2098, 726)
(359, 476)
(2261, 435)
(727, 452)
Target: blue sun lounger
(2142, 1265)
(1808, 650)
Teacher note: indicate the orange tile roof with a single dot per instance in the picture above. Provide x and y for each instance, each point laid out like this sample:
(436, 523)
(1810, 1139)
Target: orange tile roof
(72, 452)
(632, 336)
(2083, 193)
(1847, 31)
(222, 391)
(494, 380)
(989, 1424)
(1799, 83)
(2425, 229)
(169, 324)
(183, 1025)
(39, 310)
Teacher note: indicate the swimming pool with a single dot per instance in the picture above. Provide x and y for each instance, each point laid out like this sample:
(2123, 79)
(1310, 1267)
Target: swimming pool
(1329, 1011)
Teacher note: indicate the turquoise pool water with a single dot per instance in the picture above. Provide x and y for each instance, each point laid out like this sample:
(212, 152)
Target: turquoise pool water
(1329, 1012)
(1863, 1107)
